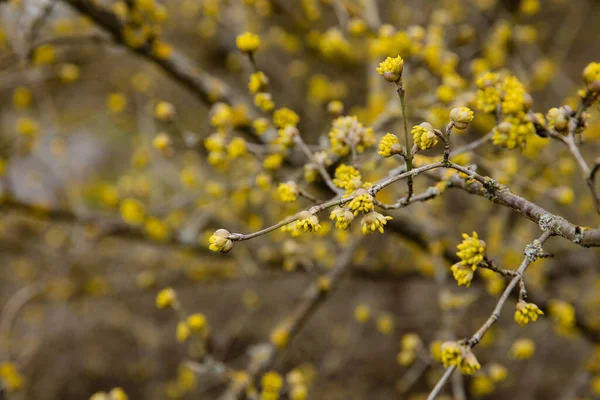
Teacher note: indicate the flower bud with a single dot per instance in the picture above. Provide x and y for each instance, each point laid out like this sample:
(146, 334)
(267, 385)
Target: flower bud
(461, 117)
(219, 241)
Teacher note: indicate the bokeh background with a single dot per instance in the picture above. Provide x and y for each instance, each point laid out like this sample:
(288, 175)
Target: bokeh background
(77, 122)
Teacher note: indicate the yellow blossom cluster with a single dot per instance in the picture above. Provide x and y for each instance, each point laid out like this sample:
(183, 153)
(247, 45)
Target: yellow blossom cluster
(347, 177)
(454, 354)
(347, 133)
(526, 313)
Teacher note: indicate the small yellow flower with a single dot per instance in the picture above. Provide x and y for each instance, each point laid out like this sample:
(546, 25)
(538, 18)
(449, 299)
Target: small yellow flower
(196, 322)
(591, 73)
(526, 313)
(283, 117)
(452, 354)
(522, 349)
(357, 26)
(260, 125)
(471, 250)
(288, 192)
(362, 313)
(558, 119)
(391, 68)
(68, 73)
(406, 357)
(461, 117)
(324, 283)
(335, 107)
(44, 54)
(182, 332)
(271, 382)
(221, 116)
(248, 42)
(116, 102)
(133, 211)
(342, 216)
(280, 336)
(385, 323)
(12, 380)
(307, 222)
(117, 394)
(347, 177)
(258, 82)
(156, 229)
(264, 101)
(164, 111)
(497, 372)
(162, 142)
(363, 202)
(389, 145)
(424, 136)
(236, 148)
(463, 274)
(469, 364)
(219, 241)
(22, 97)
(373, 221)
(27, 126)
(273, 161)
(411, 341)
(562, 313)
(166, 298)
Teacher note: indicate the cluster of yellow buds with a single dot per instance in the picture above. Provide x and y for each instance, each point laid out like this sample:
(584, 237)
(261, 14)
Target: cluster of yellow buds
(346, 133)
(194, 323)
(142, 24)
(247, 42)
(463, 274)
(258, 82)
(373, 221)
(307, 222)
(461, 117)
(166, 298)
(297, 380)
(347, 177)
(389, 145)
(219, 241)
(342, 216)
(163, 143)
(471, 250)
(454, 354)
(284, 117)
(164, 111)
(12, 380)
(509, 94)
(522, 349)
(591, 76)
(271, 383)
(526, 312)
(558, 118)
(288, 192)
(391, 68)
(563, 315)
(410, 344)
(424, 136)
(362, 202)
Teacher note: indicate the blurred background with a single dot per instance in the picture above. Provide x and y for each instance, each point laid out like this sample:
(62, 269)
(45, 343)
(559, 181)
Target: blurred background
(98, 215)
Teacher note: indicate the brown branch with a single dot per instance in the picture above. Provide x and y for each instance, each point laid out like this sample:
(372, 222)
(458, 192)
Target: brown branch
(583, 236)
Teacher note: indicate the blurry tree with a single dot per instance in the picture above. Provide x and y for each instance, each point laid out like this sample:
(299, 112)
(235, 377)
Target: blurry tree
(167, 170)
